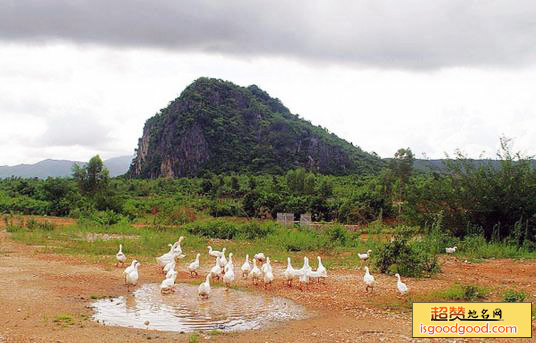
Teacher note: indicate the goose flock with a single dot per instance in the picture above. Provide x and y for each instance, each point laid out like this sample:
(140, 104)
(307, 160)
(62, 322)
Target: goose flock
(223, 271)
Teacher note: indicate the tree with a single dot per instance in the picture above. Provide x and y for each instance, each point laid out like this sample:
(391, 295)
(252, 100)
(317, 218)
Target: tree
(309, 184)
(235, 185)
(92, 178)
(402, 165)
(326, 188)
(401, 168)
(252, 183)
(206, 186)
(276, 186)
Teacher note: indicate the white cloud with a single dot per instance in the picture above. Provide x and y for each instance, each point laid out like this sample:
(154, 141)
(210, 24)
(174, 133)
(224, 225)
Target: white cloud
(67, 101)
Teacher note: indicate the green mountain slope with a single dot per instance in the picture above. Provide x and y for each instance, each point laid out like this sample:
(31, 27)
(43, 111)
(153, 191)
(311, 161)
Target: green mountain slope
(220, 127)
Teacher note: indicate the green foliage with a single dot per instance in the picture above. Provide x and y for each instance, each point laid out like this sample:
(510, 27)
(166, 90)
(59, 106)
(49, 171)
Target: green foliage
(293, 240)
(408, 259)
(107, 217)
(220, 127)
(463, 292)
(92, 178)
(337, 235)
(512, 296)
(218, 228)
(493, 197)
(225, 208)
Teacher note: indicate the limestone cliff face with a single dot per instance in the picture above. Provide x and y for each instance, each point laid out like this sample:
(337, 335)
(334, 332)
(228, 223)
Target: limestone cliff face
(220, 127)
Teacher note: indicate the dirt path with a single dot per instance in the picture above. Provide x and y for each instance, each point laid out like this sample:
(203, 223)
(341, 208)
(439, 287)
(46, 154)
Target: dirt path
(37, 289)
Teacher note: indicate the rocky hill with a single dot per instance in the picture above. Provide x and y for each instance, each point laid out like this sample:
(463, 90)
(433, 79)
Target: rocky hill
(217, 126)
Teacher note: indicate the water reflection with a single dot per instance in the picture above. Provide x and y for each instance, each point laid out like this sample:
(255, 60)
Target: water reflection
(185, 311)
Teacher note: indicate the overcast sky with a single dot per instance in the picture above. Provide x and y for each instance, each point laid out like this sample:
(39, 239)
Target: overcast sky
(80, 77)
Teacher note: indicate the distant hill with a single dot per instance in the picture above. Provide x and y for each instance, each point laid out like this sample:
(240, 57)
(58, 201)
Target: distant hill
(221, 127)
(61, 168)
(439, 166)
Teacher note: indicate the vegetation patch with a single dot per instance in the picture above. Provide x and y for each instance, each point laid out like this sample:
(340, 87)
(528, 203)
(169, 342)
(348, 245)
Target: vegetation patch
(512, 296)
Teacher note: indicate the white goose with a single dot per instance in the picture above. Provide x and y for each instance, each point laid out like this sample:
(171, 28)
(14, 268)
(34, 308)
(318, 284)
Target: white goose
(223, 260)
(216, 270)
(194, 266)
(255, 272)
(246, 268)
(304, 278)
(369, 280)
(168, 285)
(130, 268)
(229, 275)
(229, 264)
(268, 276)
(266, 267)
(321, 269)
(169, 273)
(364, 257)
(120, 257)
(177, 246)
(260, 257)
(306, 269)
(132, 276)
(320, 272)
(451, 250)
(170, 266)
(204, 289)
(402, 288)
(215, 253)
(289, 273)
(166, 258)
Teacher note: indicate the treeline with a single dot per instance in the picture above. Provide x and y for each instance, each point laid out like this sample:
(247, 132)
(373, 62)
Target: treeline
(494, 200)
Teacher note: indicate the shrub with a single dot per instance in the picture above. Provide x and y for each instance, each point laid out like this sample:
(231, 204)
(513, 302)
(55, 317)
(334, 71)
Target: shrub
(406, 259)
(32, 224)
(107, 217)
(176, 215)
(512, 296)
(463, 292)
(213, 229)
(337, 235)
(254, 230)
(220, 208)
(295, 239)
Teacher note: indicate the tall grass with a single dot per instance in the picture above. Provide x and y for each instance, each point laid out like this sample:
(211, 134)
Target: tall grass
(337, 246)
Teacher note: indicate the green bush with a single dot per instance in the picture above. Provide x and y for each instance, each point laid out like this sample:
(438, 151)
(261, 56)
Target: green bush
(406, 259)
(176, 216)
(253, 230)
(295, 239)
(337, 235)
(32, 224)
(107, 217)
(220, 208)
(512, 296)
(213, 229)
(463, 292)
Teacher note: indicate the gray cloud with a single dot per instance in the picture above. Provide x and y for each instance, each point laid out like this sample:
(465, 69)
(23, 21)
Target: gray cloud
(75, 129)
(409, 34)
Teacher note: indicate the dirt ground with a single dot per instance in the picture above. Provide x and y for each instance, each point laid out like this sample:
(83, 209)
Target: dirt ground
(36, 288)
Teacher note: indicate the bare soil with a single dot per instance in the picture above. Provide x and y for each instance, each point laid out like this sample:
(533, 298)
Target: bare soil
(46, 298)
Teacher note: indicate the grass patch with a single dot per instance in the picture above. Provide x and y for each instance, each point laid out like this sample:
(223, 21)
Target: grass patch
(194, 338)
(64, 319)
(512, 296)
(462, 292)
(215, 332)
(146, 243)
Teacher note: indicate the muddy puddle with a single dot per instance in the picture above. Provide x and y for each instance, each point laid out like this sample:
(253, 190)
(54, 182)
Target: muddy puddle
(184, 311)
